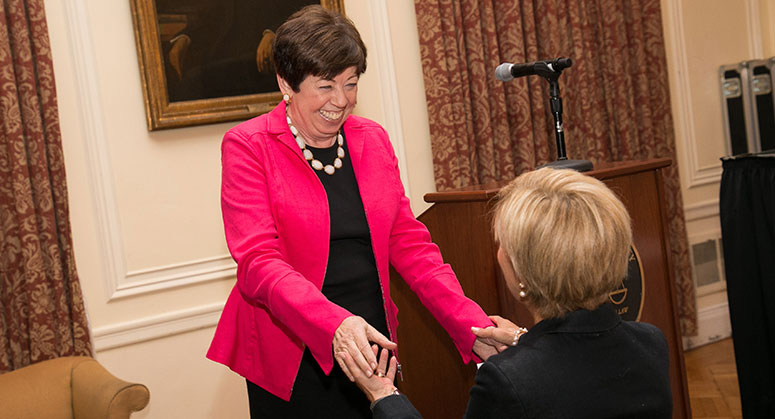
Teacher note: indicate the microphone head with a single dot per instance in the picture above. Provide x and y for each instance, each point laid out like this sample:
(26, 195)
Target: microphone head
(560, 64)
(503, 72)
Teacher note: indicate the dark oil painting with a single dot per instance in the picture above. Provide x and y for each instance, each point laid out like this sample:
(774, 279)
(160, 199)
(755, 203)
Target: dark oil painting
(217, 48)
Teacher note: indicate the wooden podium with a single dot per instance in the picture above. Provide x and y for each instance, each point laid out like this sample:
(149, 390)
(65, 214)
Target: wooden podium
(459, 221)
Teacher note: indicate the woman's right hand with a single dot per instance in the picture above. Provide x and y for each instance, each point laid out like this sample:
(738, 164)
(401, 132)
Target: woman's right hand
(354, 336)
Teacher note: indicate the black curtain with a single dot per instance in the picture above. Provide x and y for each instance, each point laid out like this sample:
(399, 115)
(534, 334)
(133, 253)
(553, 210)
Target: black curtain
(747, 209)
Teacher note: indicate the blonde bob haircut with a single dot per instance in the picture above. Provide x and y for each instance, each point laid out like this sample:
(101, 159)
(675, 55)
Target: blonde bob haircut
(567, 236)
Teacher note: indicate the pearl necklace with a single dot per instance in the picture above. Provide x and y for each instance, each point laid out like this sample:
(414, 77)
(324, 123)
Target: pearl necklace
(316, 164)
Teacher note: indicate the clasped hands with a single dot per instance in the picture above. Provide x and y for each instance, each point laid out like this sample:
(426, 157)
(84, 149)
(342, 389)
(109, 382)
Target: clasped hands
(358, 357)
(503, 335)
(354, 353)
(352, 346)
(375, 377)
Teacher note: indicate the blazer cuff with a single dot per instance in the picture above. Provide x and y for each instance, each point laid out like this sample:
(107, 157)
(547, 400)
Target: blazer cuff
(394, 407)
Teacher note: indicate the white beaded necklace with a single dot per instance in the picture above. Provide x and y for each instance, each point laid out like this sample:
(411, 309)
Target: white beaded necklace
(316, 164)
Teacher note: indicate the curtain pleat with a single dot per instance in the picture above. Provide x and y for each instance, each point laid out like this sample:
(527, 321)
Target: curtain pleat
(42, 312)
(616, 96)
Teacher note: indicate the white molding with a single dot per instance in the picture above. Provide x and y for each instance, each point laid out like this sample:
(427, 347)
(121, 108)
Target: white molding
(176, 275)
(713, 324)
(119, 282)
(388, 84)
(700, 210)
(156, 327)
(754, 29)
(100, 174)
(694, 174)
(712, 234)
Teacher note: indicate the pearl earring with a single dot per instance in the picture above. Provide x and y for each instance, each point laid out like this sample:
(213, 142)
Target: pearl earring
(522, 293)
(286, 98)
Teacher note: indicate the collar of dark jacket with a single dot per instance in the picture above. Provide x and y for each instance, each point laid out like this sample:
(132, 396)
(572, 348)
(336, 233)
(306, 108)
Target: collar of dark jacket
(601, 319)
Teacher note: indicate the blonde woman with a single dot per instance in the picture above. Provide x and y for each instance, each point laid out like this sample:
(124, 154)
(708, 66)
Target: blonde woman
(564, 243)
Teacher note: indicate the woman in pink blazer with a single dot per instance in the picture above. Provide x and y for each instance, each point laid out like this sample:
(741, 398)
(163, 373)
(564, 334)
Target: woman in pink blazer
(314, 213)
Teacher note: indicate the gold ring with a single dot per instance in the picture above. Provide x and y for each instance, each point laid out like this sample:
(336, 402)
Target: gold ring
(380, 374)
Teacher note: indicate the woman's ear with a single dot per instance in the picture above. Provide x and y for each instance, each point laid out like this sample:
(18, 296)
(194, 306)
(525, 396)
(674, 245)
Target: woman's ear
(504, 261)
(285, 88)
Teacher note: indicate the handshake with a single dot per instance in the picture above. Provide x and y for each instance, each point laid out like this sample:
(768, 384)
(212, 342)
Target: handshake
(377, 383)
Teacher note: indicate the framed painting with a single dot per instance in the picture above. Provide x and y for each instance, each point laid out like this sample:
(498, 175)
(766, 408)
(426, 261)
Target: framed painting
(208, 61)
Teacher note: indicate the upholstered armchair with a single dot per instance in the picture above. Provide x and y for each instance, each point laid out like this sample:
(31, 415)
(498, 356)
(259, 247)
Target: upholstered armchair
(69, 387)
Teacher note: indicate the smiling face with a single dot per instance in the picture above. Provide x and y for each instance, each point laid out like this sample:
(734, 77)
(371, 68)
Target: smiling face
(321, 105)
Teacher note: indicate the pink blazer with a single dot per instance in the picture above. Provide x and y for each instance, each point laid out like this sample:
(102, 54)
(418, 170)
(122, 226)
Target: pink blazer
(276, 220)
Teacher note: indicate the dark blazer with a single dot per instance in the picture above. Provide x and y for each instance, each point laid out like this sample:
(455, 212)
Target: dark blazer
(586, 364)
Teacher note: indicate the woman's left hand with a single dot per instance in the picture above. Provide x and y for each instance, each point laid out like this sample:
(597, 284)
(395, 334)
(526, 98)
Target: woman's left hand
(378, 385)
(506, 333)
(354, 336)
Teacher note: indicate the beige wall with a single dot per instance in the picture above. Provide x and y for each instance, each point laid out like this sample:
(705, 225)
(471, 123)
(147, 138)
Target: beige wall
(702, 35)
(144, 206)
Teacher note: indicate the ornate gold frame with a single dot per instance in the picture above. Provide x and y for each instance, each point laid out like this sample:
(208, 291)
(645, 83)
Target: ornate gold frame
(159, 111)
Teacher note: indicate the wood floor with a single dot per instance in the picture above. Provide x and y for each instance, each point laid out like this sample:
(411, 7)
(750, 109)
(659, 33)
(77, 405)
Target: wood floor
(712, 379)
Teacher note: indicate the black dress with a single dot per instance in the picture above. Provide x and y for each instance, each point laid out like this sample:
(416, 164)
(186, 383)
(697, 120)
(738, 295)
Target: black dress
(351, 282)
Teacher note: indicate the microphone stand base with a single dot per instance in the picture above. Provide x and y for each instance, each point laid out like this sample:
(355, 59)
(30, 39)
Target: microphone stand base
(577, 165)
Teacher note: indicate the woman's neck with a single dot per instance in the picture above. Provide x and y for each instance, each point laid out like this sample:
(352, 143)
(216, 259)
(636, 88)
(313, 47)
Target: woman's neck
(311, 141)
(534, 313)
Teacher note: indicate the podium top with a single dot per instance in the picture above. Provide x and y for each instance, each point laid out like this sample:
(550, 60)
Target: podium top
(602, 171)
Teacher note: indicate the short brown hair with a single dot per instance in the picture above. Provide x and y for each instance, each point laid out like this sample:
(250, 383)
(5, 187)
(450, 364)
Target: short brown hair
(319, 42)
(568, 238)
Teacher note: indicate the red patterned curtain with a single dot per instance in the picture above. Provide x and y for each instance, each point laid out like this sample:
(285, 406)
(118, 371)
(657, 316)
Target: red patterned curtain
(41, 307)
(616, 95)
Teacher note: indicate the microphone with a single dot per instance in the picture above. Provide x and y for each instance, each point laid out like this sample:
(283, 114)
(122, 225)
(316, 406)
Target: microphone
(508, 71)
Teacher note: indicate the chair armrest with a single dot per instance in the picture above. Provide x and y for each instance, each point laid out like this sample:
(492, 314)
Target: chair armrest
(39, 390)
(98, 394)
